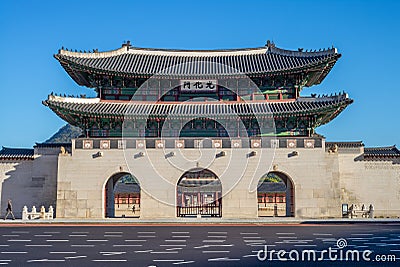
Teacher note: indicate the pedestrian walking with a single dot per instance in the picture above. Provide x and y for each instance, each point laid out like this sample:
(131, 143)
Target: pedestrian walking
(9, 210)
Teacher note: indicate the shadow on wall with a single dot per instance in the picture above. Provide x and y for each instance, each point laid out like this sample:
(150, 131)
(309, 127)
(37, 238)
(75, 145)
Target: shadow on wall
(27, 183)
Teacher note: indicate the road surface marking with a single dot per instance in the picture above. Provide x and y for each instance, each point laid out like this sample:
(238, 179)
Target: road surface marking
(97, 240)
(146, 236)
(20, 232)
(180, 232)
(143, 251)
(43, 235)
(19, 240)
(164, 252)
(216, 236)
(38, 245)
(79, 232)
(57, 240)
(249, 233)
(255, 241)
(219, 245)
(113, 233)
(146, 232)
(110, 260)
(183, 262)
(14, 252)
(4, 245)
(213, 241)
(51, 232)
(112, 253)
(135, 240)
(217, 233)
(172, 249)
(175, 240)
(82, 246)
(62, 252)
(251, 255)
(223, 259)
(215, 251)
(77, 235)
(248, 237)
(169, 260)
(285, 233)
(305, 245)
(10, 235)
(361, 234)
(45, 260)
(321, 234)
(138, 245)
(75, 257)
(181, 236)
(288, 237)
(173, 245)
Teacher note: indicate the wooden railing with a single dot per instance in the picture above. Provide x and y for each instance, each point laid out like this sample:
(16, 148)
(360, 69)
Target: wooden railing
(212, 209)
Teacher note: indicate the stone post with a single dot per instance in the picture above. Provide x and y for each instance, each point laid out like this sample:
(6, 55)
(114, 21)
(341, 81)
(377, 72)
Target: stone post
(25, 213)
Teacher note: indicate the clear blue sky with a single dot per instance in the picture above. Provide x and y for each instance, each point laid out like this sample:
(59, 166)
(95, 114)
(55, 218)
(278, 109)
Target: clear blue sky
(367, 33)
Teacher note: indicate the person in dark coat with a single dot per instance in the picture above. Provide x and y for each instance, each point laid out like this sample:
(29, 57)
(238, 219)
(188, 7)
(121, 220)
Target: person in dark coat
(9, 210)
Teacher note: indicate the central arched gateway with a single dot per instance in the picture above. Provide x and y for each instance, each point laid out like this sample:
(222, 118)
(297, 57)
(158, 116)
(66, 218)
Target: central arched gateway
(122, 196)
(275, 194)
(199, 192)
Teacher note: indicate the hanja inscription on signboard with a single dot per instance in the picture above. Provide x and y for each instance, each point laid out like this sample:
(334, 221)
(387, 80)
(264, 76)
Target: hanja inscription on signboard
(188, 86)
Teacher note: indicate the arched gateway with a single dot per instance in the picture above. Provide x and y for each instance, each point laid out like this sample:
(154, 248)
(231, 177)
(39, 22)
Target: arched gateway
(199, 192)
(122, 196)
(275, 193)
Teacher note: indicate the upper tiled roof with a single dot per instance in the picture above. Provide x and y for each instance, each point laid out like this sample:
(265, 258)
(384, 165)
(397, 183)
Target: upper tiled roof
(16, 153)
(349, 144)
(131, 61)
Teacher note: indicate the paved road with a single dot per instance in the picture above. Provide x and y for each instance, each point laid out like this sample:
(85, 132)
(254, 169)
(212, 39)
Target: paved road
(200, 245)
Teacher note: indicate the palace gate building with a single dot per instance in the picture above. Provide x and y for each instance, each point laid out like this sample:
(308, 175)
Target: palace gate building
(211, 133)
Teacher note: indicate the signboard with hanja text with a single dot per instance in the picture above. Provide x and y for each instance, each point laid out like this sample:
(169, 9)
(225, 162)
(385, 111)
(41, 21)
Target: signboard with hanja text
(198, 86)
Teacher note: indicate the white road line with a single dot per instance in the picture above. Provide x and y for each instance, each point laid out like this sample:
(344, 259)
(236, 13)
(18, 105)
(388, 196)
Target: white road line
(97, 240)
(75, 257)
(288, 237)
(173, 245)
(249, 233)
(168, 249)
(113, 232)
(168, 260)
(164, 252)
(112, 235)
(285, 233)
(181, 236)
(255, 241)
(146, 236)
(79, 232)
(216, 236)
(251, 255)
(180, 232)
(213, 241)
(4, 245)
(215, 251)
(321, 234)
(43, 235)
(83, 246)
(77, 235)
(13, 252)
(5, 260)
(110, 260)
(175, 240)
(9, 235)
(146, 232)
(305, 245)
(248, 237)
(183, 262)
(112, 253)
(361, 234)
(57, 240)
(19, 240)
(62, 252)
(143, 251)
(395, 250)
(217, 233)
(138, 245)
(45, 260)
(223, 259)
(51, 232)
(38, 245)
(20, 232)
(219, 245)
(135, 240)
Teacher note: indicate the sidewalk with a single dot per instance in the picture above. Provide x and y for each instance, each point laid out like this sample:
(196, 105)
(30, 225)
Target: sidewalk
(199, 221)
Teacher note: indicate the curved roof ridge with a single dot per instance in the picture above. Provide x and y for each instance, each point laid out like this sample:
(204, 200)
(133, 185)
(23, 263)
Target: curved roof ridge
(125, 49)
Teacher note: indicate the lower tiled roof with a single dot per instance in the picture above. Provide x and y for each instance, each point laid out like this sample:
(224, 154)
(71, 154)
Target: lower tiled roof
(390, 151)
(16, 153)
